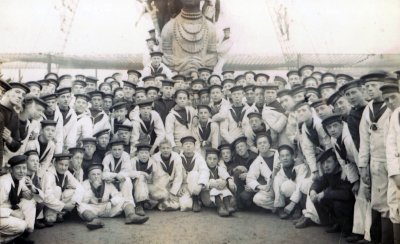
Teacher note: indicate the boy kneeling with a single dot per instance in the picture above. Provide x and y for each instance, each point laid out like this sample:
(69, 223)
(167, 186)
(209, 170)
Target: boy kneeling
(220, 186)
(331, 195)
(102, 199)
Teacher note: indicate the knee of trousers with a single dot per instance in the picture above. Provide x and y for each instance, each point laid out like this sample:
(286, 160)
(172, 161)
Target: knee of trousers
(287, 188)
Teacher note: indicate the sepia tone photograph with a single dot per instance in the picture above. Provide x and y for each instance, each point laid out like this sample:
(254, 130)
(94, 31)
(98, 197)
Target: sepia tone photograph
(200, 121)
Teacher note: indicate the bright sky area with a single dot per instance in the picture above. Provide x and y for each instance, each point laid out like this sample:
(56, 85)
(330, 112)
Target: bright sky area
(107, 27)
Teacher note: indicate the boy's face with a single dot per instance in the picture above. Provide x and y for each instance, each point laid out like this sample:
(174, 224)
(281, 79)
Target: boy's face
(76, 160)
(181, 100)
(61, 166)
(335, 129)
(128, 92)
(287, 102)
(227, 88)
(107, 104)
(52, 105)
(140, 96)
(241, 148)
(204, 115)
(237, 97)
(355, 96)
(270, 95)
(77, 89)
(215, 81)
(95, 177)
(19, 171)
(197, 86)
(80, 105)
(103, 140)
(90, 148)
(188, 147)
(329, 165)
(152, 94)
(328, 79)
(263, 145)
(312, 97)
(323, 111)
(286, 158)
(212, 160)
(145, 112)
(303, 113)
(255, 123)
(143, 155)
(311, 83)
(259, 96)
(250, 96)
(124, 135)
(117, 151)
(49, 132)
(298, 97)
(35, 91)
(216, 95)
(165, 149)
(205, 98)
(32, 163)
(156, 61)
(168, 91)
(392, 100)
(294, 79)
(97, 102)
(90, 86)
(120, 114)
(342, 106)
(327, 92)
(226, 154)
(64, 100)
(106, 89)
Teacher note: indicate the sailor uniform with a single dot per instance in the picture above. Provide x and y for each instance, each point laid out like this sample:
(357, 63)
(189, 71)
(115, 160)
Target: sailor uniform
(372, 153)
(100, 121)
(195, 173)
(167, 180)
(287, 183)
(9, 120)
(12, 200)
(314, 140)
(274, 117)
(393, 165)
(59, 137)
(353, 121)
(262, 170)
(84, 126)
(235, 123)
(70, 127)
(142, 181)
(179, 124)
(97, 200)
(219, 111)
(207, 136)
(77, 174)
(149, 132)
(218, 173)
(45, 151)
(163, 106)
(123, 167)
(151, 71)
(60, 191)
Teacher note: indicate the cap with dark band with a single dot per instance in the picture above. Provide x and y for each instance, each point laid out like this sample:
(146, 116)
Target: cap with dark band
(261, 75)
(91, 79)
(156, 54)
(331, 119)
(293, 72)
(132, 71)
(254, 114)
(20, 86)
(236, 88)
(204, 91)
(284, 92)
(149, 88)
(327, 74)
(286, 147)
(167, 82)
(45, 123)
(378, 76)
(334, 97)
(129, 84)
(79, 82)
(215, 87)
(49, 97)
(198, 81)
(224, 146)
(31, 152)
(4, 85)
(188, 139)
(204, 69)
(227, 72)
(307, 66)
(227, 81)
(239, 140)
(74, 150)
(327, 85)
(202, 106)
(118, 105)
(178, 77)
(145, 103)
(63, 91)
(62, 156)
(102, 132)
(389, 88)
(351, 84)
(17, 160)
(312, 90)
(124, 128)
(309, 78)
(82, 96)
(297, 90)
(319, 102)
(89, 140)
(300, 104)
(211, 150)
(96, 166)
(34, 83)
(325, 155)
(181, 91)
(116, 142)
(93, 94)
(280, 79)
(248, 88)
(143, 147)
(344, 76)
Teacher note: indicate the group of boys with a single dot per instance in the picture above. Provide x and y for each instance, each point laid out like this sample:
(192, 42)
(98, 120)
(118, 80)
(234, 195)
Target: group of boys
(317, 148)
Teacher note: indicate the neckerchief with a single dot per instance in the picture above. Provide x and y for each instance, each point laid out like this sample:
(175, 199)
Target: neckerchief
(155, 71)
(147, 126)
(275, 105)
(378, 108)
(49, 114)
(65, 114)
(36, 181)
(341, 148)
(118, 164)
(62, 181)
(14, 197)
(183, 117)
(290, 173)
(167, 164)
(144, 167)
(99, 191)
(214, 173)
(188, 163)
(312, 134)
(238, 117)
(97, 118)
(205, 131)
